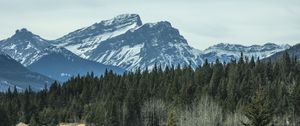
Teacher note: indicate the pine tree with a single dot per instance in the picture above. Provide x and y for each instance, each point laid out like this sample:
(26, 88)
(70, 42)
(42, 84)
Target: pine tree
(252, 62)
(241, 60)
(215, 78)
(286, 63)
(25, 107)
(258, 111)
(133, 117)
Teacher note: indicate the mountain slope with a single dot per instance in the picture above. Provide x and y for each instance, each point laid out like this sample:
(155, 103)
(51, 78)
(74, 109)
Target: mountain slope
(13, 74)
(293, 51)
(82, 41)
(153, 43)
(61, 64)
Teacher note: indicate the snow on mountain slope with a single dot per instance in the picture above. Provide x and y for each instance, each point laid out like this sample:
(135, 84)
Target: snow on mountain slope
(82, 41)
(152, 43)
(226, 52)
(24, 46)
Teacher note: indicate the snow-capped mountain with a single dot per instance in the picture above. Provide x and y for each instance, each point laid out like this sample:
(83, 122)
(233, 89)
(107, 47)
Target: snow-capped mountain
(40, 56)
(24, 46)
(225, 52)
(152, 43)
(125, 42)
(83, 41)
(14, 74)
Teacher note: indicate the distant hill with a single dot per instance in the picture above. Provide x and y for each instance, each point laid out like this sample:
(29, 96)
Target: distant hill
(14, 74)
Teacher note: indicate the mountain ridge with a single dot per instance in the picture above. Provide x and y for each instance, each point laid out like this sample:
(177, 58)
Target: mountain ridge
(294, 52)
(131, 49)
(126, 42)
(225, 51)
(29, 49)
(85, 39)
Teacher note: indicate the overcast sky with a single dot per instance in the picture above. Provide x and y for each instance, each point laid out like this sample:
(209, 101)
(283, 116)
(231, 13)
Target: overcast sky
(202, 22)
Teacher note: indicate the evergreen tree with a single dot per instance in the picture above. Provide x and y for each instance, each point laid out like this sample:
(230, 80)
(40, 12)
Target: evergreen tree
(286, 64)
(252, 62)
(216, 77)
(258, 111)
(133, 107)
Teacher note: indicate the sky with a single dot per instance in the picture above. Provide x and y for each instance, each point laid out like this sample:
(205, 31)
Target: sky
(202, 22)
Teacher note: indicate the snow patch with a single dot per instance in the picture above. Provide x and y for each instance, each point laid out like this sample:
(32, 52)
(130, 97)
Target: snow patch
(65, 75)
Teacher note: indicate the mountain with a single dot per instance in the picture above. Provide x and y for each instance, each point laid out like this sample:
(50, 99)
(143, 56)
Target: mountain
(293, 51)
(14, 74)
(62, 64)
(40, 56)
(225, 52)
(83, 41)
(24, 46)
(125, 42)
(153, 43)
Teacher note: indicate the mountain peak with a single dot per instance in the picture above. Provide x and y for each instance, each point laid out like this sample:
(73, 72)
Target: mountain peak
(22, 30)
(269, 44)
(123, 18)
(228, 46)
(226, 51)
(159, 24)
(221, 44)
(273, 45)
(127, 16)
(23, 33)
(24, 46)
(82, 41)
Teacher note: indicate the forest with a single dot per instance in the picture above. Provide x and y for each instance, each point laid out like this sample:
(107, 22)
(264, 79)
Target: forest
(246, 91)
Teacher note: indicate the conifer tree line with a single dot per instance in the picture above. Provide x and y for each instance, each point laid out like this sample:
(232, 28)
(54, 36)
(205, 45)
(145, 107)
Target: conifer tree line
(246, 91)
